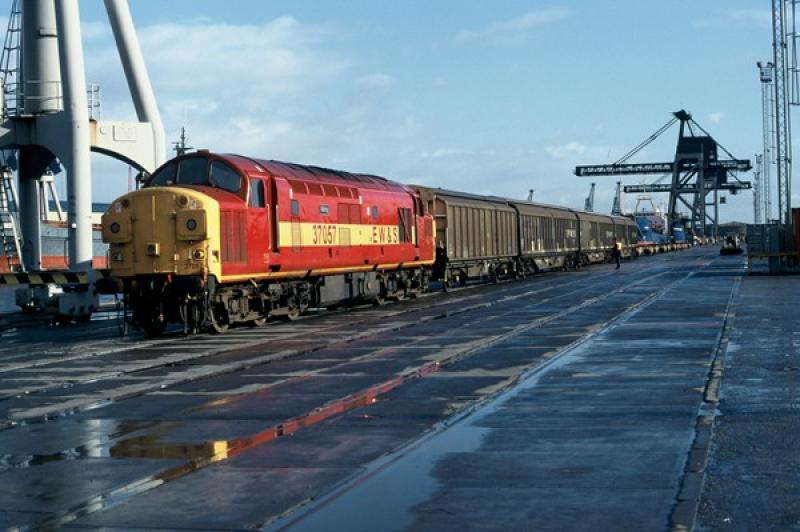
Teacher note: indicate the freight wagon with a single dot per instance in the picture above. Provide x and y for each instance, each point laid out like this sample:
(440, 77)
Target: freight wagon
(487, 236)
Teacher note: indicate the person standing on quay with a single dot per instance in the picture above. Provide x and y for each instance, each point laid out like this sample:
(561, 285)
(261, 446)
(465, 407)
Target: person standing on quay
(616, 251)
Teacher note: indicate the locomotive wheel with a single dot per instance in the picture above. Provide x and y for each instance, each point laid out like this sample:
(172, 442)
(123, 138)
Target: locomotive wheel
(218, 319)
(258, 322)
(218, 327)
(293, 313)
(154, 325)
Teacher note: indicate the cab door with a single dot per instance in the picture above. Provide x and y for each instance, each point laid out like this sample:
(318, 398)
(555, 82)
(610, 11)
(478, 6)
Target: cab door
(418, 219)
(273, 215)
(258, 226)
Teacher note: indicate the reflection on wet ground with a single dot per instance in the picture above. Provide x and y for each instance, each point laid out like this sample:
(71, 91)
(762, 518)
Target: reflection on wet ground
(604, 417)
(308, 423)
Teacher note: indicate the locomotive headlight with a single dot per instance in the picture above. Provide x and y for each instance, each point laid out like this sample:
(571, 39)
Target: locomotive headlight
(115, 228)
(191, 224)
(199, 254)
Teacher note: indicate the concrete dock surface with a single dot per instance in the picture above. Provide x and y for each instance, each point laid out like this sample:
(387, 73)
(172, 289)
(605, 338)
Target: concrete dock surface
(663, 396)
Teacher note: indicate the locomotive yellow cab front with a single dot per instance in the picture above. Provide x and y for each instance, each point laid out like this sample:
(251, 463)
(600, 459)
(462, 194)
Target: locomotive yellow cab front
(163, 230)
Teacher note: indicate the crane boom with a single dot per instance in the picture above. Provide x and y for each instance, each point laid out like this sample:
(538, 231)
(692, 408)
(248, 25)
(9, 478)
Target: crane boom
(593, 170)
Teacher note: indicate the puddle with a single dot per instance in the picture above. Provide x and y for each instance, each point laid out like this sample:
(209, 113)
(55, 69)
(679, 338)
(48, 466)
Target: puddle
(384, 497)
(153, 445)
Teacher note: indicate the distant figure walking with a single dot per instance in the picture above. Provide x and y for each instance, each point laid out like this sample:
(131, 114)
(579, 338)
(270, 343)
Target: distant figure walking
(616, 251)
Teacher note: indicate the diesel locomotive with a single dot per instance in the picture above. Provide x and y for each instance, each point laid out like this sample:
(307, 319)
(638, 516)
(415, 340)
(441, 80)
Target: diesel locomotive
(216, 239)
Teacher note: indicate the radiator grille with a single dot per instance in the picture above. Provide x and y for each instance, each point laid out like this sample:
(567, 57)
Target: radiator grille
(428, 227)
(233, 237)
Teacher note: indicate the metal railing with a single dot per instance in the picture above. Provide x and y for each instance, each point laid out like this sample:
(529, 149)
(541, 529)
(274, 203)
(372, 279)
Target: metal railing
(93, 99)
(43, 97)
(32, 97)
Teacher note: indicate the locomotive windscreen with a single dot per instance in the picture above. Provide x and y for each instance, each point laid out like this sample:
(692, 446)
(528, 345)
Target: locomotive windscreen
(195, 171)
(164, 177)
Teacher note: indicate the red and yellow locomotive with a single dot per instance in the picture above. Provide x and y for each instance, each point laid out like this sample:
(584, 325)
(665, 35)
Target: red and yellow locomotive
(211, 240)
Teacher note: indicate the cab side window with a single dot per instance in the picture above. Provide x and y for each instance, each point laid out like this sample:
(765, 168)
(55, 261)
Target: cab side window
(257, 198)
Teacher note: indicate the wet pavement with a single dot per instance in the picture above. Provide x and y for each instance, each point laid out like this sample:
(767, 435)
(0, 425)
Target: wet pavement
(564, 401)
(597, 439)
(753, 472)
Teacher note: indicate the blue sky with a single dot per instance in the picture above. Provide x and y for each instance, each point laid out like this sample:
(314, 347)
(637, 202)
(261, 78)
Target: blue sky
(488, 97)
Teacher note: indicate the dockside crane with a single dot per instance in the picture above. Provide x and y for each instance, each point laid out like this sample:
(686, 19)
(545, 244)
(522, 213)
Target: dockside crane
(616, 208)
(696, 170)
(588, 205)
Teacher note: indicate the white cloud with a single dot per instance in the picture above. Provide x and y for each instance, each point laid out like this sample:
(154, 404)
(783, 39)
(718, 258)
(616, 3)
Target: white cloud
(444, 153)
(248, 64)
(716, 117)
(515, 28)
(377, 80)
(272, 58)
(92, 30)
(564, 151)
(261, 88)
(759, 17)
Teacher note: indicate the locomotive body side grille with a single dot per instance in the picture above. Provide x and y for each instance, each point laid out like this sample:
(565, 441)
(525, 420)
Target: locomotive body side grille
(233, 236)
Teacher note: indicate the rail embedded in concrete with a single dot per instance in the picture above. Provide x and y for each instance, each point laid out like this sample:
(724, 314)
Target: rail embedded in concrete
(362, 386)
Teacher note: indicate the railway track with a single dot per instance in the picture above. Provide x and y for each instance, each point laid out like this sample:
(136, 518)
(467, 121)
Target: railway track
(93, 375)
(603, 301)
(115, 344)
(187, 353)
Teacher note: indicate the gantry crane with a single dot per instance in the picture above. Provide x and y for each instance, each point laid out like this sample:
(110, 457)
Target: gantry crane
(696, 172)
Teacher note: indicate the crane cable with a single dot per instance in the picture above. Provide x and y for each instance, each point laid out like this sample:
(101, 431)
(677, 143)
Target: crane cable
(646, 142)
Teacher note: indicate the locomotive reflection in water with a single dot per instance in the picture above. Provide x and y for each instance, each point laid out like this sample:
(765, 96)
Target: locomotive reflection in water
(212, 240)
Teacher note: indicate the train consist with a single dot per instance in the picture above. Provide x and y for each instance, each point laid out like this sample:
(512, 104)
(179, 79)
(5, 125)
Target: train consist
(211, 240)
(497, 237)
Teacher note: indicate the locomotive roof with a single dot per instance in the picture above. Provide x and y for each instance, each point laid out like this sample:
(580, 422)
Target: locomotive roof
(459, 194)
(316, 173)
